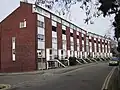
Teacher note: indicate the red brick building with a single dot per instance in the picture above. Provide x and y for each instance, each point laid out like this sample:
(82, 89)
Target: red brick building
(31, 37)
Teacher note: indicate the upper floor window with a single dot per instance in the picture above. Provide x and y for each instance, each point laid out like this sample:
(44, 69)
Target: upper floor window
(41, 37)
(22, 24)
(40, 24)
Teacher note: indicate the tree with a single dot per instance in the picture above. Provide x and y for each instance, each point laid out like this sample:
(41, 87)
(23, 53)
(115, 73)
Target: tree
(92, 8)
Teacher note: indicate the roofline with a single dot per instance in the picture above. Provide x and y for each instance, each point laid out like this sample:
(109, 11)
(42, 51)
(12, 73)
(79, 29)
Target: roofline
(14, 11)
(62, 18)
(52, 12)
(9, 15)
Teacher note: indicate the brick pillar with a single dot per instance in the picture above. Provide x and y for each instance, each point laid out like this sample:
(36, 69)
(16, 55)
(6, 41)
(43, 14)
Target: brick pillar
(110, 46)
(89, 44)
(107, 47)
(80, 40)
(59, 36)
(101, 45)
(48, 33)
(75, 40)
(68, 37)
(104, 47)
(92, 40)
(85, 42)
(97, 45)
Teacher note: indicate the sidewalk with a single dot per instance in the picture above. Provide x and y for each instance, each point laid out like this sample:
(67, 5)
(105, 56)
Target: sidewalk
(37, 78)
(52, 71)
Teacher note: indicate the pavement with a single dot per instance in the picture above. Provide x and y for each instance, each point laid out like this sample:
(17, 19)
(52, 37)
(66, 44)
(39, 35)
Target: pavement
(57, 70)
(82, 77)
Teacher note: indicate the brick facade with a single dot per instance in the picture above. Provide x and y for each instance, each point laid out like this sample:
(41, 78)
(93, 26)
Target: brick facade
(26, 39)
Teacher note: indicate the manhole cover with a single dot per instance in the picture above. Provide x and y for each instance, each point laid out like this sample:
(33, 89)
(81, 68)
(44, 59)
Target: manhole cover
(4, 86)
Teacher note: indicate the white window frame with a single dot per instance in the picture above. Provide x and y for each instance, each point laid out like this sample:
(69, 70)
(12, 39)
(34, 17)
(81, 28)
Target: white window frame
(13, 48)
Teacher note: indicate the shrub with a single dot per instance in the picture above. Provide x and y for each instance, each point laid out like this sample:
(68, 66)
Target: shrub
(72, 61)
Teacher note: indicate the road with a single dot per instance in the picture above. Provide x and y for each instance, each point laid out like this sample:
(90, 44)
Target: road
(87, 78)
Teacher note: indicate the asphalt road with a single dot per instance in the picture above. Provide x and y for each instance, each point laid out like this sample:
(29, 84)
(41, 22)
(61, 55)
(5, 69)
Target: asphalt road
(86, 78)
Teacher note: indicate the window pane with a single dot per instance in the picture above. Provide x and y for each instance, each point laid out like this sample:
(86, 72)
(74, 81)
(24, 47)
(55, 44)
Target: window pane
(41, 37)
(41, 24)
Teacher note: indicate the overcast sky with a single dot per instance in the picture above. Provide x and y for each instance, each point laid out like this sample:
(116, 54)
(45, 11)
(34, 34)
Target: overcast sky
(101, 25)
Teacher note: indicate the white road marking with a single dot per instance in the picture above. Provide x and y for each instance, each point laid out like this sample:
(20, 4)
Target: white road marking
(107, 80)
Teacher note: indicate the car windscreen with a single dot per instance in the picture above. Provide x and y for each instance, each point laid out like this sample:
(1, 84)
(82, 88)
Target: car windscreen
(115, 59)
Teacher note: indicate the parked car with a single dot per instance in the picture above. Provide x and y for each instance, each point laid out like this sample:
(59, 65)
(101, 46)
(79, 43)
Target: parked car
(114, 61)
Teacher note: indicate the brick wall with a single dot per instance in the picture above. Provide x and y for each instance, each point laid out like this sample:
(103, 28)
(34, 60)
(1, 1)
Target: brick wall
(68, 38)
(75, 40)
(25, 40)
(59, 35)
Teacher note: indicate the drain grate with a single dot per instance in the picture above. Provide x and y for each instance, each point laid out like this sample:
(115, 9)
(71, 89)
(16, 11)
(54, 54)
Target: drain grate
(4, 86)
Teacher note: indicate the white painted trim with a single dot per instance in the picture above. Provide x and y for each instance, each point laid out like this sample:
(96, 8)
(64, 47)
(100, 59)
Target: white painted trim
(13, 57)
(93, 54)
(63, 37)
(78, 41)
(76, 54)
(85, 54)
(82, 35)
(68, 53)
(77, 32)
(40, 30)
(54, 23)
(40, 18)
(80, 54)
(71, 39)
(71, 30)
(94, 38)
(63, 27)
(90, 37)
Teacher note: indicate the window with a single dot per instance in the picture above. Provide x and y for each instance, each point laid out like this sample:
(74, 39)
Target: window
(87, 48)
(41, 45)
(54, 17)
(72, 43)
(54, 23)
(40, 30)
(58, 20)
(41, 37)
(40, 18)
(71, 34)
(13, 48)
(53, 28)
(50, 51)
(87, 41)
(40, 24)
(63, 27)
(22, 24)
(54, 39)
(62, 52)
(63, 32)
